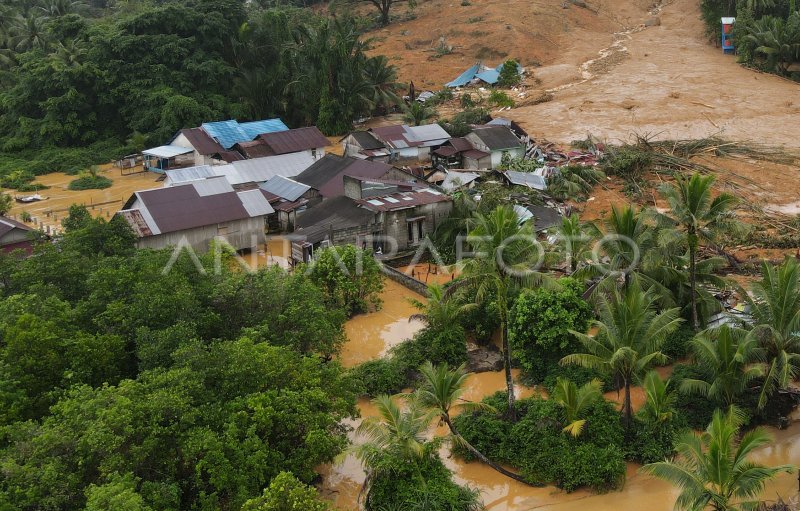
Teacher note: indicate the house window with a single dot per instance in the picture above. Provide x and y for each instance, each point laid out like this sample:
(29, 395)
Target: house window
(314, 153)
(410, 233)
(415, 229)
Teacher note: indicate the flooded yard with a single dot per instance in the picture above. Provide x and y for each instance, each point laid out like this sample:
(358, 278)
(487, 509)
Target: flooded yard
(370, 336)
(49, 212)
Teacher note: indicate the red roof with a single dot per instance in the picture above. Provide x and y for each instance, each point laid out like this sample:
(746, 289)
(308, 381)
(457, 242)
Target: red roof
(475, 154)
(292, 141)
(255, 149)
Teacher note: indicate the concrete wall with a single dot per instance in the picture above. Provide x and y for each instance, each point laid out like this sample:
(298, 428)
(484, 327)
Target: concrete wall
(497, 156)
(395, 224)
(238, 233)
(479, 164)
(14, 236)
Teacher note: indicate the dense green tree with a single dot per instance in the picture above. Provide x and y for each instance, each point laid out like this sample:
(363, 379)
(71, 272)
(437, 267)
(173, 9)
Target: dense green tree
(5, 203)
(714, 470)
(350, 277)
(540, 322)
(575, 401)
(286, 493)
(418, 113)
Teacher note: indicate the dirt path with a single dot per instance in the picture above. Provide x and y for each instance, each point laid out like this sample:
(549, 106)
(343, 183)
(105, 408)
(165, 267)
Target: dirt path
(669, 82)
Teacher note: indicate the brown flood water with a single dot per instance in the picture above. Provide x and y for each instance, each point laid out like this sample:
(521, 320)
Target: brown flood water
(50, 212)
(371, 334)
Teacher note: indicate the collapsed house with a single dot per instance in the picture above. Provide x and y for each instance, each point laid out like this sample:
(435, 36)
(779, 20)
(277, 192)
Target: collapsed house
(195, 213)
(395, 143)
(478, 74)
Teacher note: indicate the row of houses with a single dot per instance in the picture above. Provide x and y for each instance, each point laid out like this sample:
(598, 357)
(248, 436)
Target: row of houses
(240, 180)
(227, 142)
(482, 148)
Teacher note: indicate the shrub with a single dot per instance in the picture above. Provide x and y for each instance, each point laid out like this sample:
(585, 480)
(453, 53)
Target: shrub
(90, 182)
(350, 287)
(696, 410)
(501, 99)
(509, 74)
(652, 442)
(676, 345)
(627, 162)
(467, 101)
(537, 446)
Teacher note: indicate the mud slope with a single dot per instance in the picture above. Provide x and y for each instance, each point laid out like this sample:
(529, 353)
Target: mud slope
(668, 81)
(535, 32)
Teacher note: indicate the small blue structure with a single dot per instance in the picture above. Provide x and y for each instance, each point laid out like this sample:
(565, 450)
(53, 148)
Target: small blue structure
(161, 158)
(480, 72)
(727, 35)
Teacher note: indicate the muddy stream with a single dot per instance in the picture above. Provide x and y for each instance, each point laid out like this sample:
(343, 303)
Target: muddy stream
(372, 335)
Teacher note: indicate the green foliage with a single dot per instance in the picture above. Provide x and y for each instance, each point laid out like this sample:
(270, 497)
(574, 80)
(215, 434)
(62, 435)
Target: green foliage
(418, 113)
(573, 182)
(540, 323)
(537, 446)
(509, 75)
(500, 99)
(676, 344)
(6, 202)
(89, 182)
(461, 123)
(287, 493)
(695, 409)
(123, 386)
(350, 278)
(627, 162)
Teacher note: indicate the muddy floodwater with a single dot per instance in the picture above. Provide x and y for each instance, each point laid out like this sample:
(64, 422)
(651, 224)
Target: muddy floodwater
(370, 336)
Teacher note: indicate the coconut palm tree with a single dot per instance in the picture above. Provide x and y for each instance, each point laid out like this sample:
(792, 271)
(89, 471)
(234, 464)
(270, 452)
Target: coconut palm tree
(630, 333)
(418, 114)
(659, 404)
(713, 470)
(698, 217)
(30, 33)
(775, 307)
(441, 391)
(382, 79)
(575, 401)
(575, 240)
(728, 357)
(573, 182)
(440, 312)
(396, 432)
(506, 253)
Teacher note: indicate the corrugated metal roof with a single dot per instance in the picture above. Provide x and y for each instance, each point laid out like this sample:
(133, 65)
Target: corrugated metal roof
(255, 203)
(167, 151)
(327, 173)
(366, 141)
(489, 76)
(465, 77)
(182, 207)
(7, 225)
(185, 175)
(455, 180)
(285, 188)
(291, 141)
(526, 179)
(228, 133)
(255, 149)
(427, 133)
(201, 141)
(259, 170)
(497, 137)
(337, 213)
(403, 200)
(212, 186)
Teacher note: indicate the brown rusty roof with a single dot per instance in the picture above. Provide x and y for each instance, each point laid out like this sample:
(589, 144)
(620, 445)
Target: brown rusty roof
(292, 141)
(402, 200)
(202, 142)
(327, 173)
(255, 149)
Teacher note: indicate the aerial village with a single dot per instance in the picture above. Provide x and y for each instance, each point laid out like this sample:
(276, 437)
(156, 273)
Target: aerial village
(334, 257)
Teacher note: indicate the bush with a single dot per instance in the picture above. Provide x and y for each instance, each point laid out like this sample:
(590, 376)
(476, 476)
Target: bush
(676, 344)
(350, 277)
(627, 162)
(90, 182)
(653, 442)
(467, 100)
(500, 99)
(399, 487)
(696, 410)
(537, 446)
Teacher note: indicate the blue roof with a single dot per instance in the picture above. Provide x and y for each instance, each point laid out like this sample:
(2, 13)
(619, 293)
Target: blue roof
(465, 77)
(231, 132)
(489, 76)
